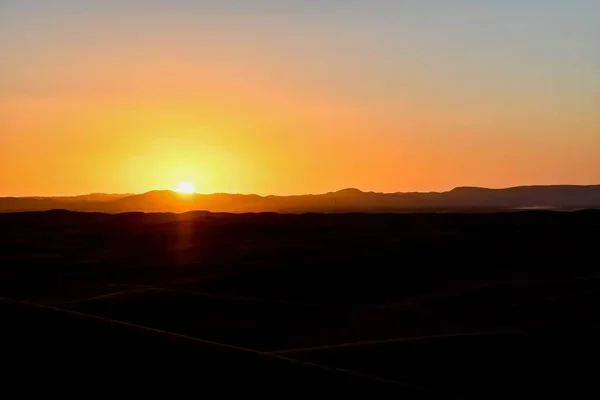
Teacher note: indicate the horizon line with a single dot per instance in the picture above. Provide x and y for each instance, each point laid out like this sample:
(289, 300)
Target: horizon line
(297, 194)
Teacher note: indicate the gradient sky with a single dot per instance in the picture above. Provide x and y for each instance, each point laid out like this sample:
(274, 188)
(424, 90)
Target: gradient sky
(282, 96)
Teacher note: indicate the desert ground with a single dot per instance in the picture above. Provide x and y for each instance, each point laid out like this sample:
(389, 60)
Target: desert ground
(486, 305)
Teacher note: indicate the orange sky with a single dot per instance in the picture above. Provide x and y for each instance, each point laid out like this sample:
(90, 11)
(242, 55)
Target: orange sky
(290, 100)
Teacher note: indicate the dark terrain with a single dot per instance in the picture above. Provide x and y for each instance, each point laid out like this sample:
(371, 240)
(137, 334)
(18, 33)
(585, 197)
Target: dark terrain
(448, 305)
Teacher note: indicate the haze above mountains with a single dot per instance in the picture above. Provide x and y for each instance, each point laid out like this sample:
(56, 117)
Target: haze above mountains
(557, 197)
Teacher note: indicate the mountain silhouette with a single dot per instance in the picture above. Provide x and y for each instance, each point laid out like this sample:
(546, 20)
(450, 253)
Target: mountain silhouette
(460, 199)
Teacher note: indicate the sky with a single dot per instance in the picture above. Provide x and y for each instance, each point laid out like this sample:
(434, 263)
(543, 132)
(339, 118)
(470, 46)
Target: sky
(292, 97)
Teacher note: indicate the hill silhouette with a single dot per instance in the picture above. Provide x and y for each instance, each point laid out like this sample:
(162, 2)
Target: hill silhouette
(463, 199)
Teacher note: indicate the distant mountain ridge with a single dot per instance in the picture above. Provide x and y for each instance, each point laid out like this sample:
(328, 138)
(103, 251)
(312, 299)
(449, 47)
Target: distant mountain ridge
(459, 199)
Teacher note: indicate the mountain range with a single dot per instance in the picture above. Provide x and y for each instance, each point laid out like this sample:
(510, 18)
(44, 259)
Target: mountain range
(460, 199)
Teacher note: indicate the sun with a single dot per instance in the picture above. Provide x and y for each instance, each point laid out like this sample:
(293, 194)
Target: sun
(186, 187)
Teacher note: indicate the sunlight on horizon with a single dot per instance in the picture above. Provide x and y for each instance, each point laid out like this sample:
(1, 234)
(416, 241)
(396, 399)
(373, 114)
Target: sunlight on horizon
(186, 188)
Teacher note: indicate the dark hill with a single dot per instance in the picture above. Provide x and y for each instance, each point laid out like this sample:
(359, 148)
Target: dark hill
(464, 199)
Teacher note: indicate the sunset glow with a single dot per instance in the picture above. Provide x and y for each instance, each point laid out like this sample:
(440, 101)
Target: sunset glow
(292, 97)
(185, 187)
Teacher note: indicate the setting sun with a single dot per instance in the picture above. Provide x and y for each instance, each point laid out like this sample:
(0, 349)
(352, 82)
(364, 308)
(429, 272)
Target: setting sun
(185, 187)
